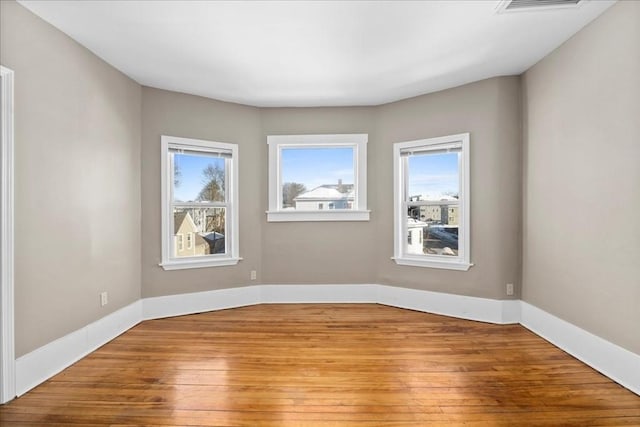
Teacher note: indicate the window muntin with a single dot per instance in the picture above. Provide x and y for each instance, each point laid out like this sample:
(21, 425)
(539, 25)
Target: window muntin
(199, 203)
(432, 202)
(317, 178)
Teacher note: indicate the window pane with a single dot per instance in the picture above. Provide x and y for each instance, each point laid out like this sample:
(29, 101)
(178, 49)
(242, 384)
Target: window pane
(317, 178)
(198, 178)
(208, 226)
(432, 239)
(433, 177)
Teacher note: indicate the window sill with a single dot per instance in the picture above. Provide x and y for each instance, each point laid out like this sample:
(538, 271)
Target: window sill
(196, 263)
(432, 263)
(329, 215)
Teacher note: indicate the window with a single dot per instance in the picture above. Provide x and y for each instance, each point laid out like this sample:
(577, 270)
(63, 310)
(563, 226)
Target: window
(199, 201)
(318, 177)
(431, 202)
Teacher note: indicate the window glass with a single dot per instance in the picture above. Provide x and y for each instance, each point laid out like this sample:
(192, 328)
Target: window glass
(208, 225)
(198, 178)
(433, 176)
(432, 202)
(315, 177)
(199, 203)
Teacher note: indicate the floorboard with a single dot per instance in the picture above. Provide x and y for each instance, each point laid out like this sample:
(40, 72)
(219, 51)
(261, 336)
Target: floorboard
(325, 365)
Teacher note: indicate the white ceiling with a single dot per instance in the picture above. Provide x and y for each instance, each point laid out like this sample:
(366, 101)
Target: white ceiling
(320, 53)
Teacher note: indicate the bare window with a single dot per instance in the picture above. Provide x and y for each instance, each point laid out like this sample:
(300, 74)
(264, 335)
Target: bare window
(199, 202)
(432, 202)
(317, 178)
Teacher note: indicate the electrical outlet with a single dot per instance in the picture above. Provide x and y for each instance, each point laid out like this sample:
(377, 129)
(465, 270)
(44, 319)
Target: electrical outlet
(509, 288)
(253, 275)
(104, 299)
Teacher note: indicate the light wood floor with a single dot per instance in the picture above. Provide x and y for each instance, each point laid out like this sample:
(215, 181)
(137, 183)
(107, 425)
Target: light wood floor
(325, 365)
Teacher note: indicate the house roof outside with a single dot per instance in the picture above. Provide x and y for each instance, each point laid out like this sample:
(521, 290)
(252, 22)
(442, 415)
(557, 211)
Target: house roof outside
(433, 197)
(179, 218)
(327, 192)
(414, 223)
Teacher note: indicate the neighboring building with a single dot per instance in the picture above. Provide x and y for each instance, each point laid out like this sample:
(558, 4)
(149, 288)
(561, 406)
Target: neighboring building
(187, 241)
(326, 197)
(440, 214)
(430, 213)
(452, 215)
(415, 235)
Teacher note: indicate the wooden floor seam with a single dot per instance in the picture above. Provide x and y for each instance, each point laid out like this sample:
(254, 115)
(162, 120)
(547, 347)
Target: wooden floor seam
(325, 365)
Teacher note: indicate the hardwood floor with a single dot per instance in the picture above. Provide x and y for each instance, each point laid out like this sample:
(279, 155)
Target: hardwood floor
(325, 365)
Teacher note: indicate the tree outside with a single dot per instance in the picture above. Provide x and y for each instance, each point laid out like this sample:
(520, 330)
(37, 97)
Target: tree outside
(291, 190)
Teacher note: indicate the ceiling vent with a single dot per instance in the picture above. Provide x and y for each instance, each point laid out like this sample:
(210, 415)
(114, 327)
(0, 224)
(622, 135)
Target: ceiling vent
(536, 5)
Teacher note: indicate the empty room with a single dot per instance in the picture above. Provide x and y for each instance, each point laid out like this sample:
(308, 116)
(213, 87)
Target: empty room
(320, 213)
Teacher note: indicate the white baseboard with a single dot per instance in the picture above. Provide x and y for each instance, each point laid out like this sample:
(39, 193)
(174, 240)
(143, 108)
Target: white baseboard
(460, 306)
(199, 302)
(41, 364)
(510, 311)
(617, 363)
(278, 294)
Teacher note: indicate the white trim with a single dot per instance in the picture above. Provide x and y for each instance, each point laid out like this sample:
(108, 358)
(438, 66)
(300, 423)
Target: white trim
(198, 262)
(462, 262)
(41, 364)
(279, 294)
(232, 235)
(615, 362)
(7, 349)
(356, 141)
(460, 306)
(326, 215)
(199, 302)
(511, 311)
(433, 263)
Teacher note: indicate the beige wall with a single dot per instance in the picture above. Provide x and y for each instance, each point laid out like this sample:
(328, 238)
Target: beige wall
(77, 181)
(176, 114)
(489, 111)
(346, 252)
(317, 252)
(582, 179)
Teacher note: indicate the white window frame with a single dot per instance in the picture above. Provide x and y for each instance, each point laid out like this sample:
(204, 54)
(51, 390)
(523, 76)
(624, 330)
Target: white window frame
(358, 142)
(190, 240)
(231, 257)
(463, 260)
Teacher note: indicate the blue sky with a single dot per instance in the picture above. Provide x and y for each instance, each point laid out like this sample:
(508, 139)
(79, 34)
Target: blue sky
(317, 166)
(191, 179)
(433, 174)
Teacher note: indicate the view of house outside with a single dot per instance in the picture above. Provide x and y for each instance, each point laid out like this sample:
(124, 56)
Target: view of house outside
(317, 178)
(198, 182)
(432, 227)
